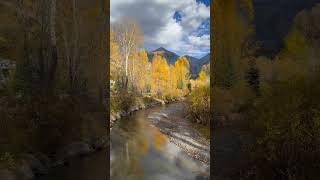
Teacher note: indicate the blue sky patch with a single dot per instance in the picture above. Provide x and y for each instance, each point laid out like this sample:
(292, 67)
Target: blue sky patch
(177, 16)
(206, 2)
(204, 28)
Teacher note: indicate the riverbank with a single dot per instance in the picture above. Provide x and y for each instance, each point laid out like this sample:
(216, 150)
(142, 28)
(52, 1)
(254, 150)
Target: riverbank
(37, 136)
(173, 123)
(32, 165)
(138, 104)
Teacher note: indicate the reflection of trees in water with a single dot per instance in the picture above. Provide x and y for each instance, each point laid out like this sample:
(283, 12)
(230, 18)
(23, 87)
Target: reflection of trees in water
(132, 144)
(126, 161)
(159, 140)
(137, 138)
(142, 151)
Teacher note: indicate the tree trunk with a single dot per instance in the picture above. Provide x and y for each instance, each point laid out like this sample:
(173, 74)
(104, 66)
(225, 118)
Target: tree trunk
(73, 62)
(126, 76)
(54, 53)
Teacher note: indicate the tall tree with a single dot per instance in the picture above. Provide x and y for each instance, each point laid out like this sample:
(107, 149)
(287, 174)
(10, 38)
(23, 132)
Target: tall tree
(129, 37)
(182, 68)
(160, 75)
(142, 70)
(115, 61)
(230, 15)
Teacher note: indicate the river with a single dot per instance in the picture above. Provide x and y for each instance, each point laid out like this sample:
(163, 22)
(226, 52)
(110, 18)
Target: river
(138, 150)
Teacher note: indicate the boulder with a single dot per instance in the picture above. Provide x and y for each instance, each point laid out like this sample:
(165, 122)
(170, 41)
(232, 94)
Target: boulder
(123, 113)
(74, 149)
(112, 118)
(143, 106)
(37, 166)
(118, 116)
(100, 143)
(24, 171)
(133, 109)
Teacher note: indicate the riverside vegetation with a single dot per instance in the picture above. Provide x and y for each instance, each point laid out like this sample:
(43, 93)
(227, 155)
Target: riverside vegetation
(274, 98)
(139, 81)
(53, 104)
(53, 101)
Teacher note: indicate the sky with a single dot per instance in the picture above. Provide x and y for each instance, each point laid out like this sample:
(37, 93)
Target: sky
(181, 26)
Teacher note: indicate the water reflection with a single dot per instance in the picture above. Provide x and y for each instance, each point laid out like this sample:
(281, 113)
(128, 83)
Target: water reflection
(138, 151)
(141, 151)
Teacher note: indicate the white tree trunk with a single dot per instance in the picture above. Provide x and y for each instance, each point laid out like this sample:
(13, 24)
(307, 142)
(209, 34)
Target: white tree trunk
(127, 59)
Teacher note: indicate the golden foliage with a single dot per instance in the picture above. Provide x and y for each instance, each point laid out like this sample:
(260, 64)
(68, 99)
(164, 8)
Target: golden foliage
(159, 140)
(157, 78)
(160, 75)
(115, 63)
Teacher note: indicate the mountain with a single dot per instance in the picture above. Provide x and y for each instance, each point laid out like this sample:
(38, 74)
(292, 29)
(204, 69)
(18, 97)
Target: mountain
(273, 20)
(205, 59)
(196, 64)
(170, 56)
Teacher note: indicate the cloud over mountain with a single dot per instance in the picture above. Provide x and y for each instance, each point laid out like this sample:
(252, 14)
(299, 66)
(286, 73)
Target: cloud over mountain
(179, 25)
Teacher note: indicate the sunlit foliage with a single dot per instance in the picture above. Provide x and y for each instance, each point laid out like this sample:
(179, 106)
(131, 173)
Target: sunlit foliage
(145, 76)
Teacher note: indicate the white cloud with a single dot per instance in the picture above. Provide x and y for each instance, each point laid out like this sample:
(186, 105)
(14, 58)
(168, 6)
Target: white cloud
(200, 40)
(156, 20)
(170, 34)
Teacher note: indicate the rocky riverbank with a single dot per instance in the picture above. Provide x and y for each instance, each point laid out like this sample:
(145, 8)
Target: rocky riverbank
(31, 165)
(172, 122)
(5, 67)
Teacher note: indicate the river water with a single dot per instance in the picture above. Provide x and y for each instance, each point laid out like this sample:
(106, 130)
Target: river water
(138, 151)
